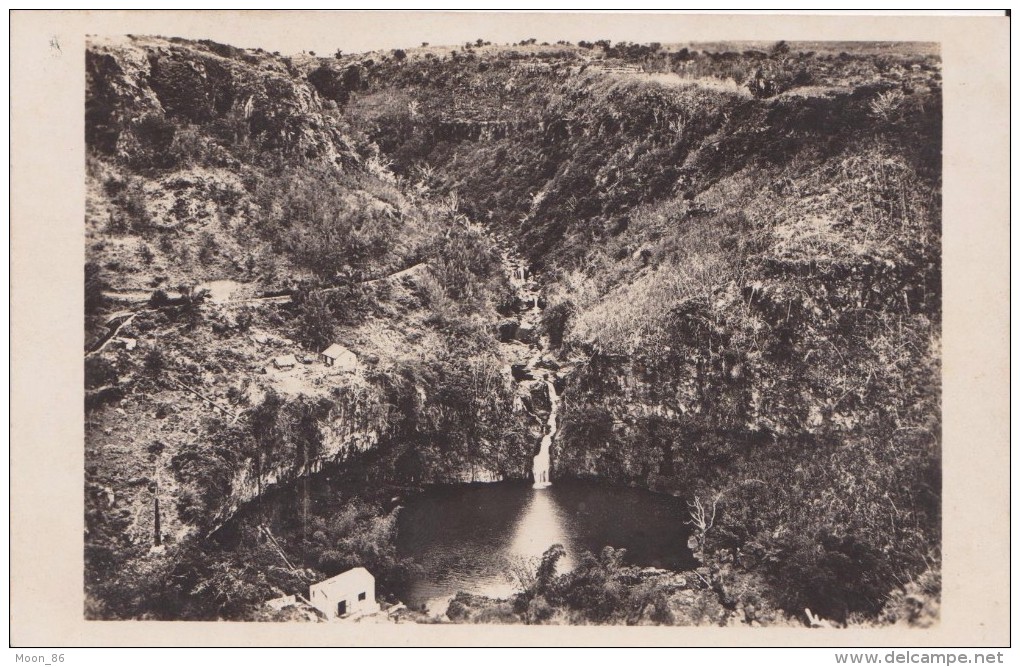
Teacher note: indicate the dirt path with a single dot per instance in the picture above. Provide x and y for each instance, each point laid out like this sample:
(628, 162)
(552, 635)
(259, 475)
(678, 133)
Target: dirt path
(144, 296)
(139, 295)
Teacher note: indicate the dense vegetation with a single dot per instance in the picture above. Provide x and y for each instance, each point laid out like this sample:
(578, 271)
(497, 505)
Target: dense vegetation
(741, 253)
(603, 589)
(206, 164)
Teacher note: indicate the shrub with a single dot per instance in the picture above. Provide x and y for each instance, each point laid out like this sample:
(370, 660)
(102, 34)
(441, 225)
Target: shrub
(99, 372)
(155, 362)
(94, 287)
(154, 135)
(192, 300)
(206, 247)
(556, 319)
(917, 602)
(133, 204)
(190, 507)
(886, 104)
(245, 318)
(316, 321)
(159, 299)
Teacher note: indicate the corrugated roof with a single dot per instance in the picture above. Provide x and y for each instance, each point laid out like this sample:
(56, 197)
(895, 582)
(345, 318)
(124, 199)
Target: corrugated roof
(336, 350)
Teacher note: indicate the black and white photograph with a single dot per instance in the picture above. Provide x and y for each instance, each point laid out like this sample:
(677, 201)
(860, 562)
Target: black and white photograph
(522, 329)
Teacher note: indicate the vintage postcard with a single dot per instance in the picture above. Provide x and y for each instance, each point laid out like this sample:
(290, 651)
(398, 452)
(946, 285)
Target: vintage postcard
(418, 328)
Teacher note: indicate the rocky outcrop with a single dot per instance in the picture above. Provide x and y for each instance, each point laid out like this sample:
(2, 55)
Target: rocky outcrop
(337, 83)
(143, 91)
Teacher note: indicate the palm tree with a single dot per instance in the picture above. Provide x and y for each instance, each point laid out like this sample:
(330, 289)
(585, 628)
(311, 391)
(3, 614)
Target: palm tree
(191, 304)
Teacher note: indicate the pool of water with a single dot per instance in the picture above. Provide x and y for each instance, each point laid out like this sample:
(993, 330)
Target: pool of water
(467, 538)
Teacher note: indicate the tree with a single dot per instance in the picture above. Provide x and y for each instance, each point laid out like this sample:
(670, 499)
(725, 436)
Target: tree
(191, 303)
(264, 425)
(159, 299)
(316, 322)
(780, 48)
(702, 519)
(762, 84)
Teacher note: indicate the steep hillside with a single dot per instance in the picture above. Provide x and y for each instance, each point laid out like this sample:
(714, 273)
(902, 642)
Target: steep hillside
(735, 250)
(234, 220)
(742, 259)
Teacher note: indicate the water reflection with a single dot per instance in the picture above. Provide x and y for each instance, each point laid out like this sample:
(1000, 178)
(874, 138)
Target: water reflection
(542, 524)
(462, 537)
(467, 538)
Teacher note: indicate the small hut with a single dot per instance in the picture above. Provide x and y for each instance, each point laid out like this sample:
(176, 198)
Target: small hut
(339, 356)
(351, 592)
(285, 362)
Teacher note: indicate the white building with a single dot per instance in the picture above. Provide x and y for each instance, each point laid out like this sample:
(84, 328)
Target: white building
(352, 592)
(339, 356)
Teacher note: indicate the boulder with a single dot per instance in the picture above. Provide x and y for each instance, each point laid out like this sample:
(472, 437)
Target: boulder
(540, 397)
(559, 383)
(507, 329)
(521, 372)
(526, 333)
(548, 363)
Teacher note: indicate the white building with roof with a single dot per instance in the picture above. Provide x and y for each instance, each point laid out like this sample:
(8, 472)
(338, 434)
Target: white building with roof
(340, 357)
(349, 593)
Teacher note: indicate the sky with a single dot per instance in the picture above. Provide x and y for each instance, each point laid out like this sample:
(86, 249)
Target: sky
(324, 31)
(292, 32)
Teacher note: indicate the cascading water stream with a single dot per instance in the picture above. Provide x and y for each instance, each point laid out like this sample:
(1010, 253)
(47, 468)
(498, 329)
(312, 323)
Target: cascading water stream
(531, 371)
(540, 467)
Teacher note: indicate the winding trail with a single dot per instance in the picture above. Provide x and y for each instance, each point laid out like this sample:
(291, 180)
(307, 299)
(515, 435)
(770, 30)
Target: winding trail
(116, 321)
(534, 367)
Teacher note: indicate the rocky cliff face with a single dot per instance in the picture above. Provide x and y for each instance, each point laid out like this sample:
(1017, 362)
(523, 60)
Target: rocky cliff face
(133, 85)
(739, 256)
(743, 279)
(210, 166)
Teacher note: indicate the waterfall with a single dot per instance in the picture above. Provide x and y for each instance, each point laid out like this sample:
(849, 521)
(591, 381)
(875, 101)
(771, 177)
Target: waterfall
(527, 336)
(540, 467)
